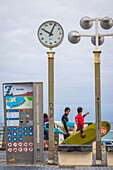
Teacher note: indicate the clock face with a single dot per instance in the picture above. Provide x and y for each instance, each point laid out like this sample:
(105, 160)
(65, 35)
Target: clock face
(50, 34)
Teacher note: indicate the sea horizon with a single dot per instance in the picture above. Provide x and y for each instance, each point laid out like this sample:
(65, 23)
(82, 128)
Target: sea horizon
(2, 124)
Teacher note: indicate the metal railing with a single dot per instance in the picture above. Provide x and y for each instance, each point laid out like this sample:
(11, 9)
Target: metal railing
(2, 137)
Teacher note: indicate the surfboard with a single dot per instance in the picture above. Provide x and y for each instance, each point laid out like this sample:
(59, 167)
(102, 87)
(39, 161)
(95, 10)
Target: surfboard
(90, 131)
(59, 127)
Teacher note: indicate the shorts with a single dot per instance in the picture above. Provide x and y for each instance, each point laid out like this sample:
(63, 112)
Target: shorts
(46, 134)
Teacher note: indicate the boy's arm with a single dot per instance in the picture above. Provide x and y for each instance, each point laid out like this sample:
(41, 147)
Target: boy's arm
(85, 114)
(65, 126)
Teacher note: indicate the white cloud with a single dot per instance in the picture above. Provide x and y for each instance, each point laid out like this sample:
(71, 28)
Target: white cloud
(23, 58)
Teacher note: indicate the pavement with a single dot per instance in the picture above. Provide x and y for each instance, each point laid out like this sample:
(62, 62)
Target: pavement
(3, 165)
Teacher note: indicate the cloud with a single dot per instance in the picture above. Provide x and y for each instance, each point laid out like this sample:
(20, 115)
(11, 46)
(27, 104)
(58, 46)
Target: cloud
(23, 58)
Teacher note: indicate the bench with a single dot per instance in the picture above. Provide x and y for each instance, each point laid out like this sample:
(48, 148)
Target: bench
(109, 155)
(71, 155)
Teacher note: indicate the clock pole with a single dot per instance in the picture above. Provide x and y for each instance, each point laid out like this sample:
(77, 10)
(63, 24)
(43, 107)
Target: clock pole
(51, 35)
(51, 104)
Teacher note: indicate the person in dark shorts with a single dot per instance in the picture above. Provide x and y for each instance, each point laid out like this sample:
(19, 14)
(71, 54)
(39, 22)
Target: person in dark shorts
(46, 134)
(65, 119)
(79, 119)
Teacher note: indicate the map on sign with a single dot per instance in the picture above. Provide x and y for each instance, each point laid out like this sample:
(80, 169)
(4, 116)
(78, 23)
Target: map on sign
(13, 102)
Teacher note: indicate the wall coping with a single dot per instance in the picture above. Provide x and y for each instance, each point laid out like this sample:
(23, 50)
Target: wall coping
(109, 148)
(71, 148)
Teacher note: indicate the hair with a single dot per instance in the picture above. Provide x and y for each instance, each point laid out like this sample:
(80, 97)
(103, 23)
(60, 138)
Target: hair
(67, 108)
(45, 115)
(79, 109)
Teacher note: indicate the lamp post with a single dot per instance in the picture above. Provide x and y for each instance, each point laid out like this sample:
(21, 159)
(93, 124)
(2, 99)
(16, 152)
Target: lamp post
(97, 39)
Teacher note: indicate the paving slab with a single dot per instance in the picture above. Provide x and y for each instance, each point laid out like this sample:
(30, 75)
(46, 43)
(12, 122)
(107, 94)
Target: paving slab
(3, 165)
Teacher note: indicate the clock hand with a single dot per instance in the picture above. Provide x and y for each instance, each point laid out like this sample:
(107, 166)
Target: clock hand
(46, 31)
(52, 29)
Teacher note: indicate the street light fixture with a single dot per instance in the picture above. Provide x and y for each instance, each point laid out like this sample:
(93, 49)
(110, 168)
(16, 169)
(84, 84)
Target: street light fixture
(74, 37)
(100, 40)
(86, 23)
(107, 23)
(97, 40)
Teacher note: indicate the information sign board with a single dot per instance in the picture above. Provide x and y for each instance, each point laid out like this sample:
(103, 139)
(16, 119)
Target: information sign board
(23, 113)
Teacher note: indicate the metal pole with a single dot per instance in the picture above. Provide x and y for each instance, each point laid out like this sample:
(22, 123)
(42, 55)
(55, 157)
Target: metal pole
(96, 28)
(51, 105)
(98, 107)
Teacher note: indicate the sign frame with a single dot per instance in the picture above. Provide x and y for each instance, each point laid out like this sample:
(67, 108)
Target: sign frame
(38, 130)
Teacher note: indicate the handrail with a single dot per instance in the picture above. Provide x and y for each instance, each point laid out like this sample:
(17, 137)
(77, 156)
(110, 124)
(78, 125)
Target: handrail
(2, 136)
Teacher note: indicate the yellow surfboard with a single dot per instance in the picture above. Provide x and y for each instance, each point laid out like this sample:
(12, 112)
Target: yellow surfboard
(90, 131)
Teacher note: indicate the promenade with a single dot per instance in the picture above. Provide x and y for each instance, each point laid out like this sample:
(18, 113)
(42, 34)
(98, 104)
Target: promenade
(3, 165)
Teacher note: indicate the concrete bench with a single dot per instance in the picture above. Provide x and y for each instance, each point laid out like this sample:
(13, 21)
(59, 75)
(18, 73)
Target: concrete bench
(71, 155)
(109, 155)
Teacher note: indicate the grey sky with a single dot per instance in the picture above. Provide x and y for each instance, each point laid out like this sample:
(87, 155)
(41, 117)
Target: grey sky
(23, 58)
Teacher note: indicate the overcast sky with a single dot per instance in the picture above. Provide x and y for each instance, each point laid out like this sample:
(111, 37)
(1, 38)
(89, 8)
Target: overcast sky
(24, 59)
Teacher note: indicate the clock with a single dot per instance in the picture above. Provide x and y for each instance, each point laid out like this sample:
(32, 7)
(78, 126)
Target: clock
(50, 34)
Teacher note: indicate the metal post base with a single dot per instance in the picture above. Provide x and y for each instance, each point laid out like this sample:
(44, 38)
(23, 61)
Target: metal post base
(50, 162)
(98, 162)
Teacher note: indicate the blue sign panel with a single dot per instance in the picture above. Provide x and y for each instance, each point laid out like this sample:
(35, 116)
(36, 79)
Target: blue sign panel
(30, 128)
(9, 139)
(14, 133)
(14, 128)
(30, 133)
(9, 129)
(25, 128)
(25, 133)
(9, 134)
(20, 129)
(20, 139)
(19, 133)
(15, 139)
